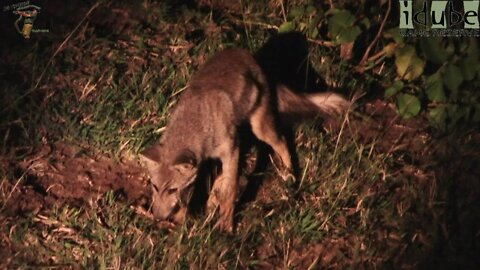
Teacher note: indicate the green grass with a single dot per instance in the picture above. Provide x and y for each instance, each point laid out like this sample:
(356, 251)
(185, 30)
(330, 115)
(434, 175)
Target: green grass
(343, 200)
(110, 91)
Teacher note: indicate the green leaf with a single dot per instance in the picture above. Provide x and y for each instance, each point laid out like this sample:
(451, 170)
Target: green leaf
(348, 35)
(286, 27)
(455, 113)
(432, 48)
(438, 117)
(408, 105)
(310, 10)
(313, 33)
(473, 49)
(395, 34)
(341, 27)
(468, 67)
(340, 20)
(449, 49)
(297, 12)
(409, 65)
(393, 90)
(434, 88)
(366, 23)
(453, 78)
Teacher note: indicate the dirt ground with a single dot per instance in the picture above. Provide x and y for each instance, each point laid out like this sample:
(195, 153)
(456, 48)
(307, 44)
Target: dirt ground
(58, 174)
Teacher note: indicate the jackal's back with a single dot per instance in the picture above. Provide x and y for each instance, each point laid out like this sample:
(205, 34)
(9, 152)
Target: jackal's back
(233, 72)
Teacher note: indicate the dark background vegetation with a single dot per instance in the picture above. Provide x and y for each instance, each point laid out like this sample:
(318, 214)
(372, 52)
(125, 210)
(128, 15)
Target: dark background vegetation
(394, 184)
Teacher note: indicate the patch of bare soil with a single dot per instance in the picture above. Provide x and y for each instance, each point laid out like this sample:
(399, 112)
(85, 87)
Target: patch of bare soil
(61, 173)
(379, 123)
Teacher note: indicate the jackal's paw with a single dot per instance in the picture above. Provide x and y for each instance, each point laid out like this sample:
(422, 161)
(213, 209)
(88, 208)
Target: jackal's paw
(212, 203)
(225, 224)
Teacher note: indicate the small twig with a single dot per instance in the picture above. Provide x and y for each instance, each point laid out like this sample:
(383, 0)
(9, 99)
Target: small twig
(266, 25)
(375, 40)
(376, 56)
(283, 11)
(321, 42)
(346, 120)
(13, 189)
(334, 204)
(63, 44)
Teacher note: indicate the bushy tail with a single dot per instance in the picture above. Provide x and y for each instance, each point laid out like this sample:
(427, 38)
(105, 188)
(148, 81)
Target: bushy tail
(295, 107)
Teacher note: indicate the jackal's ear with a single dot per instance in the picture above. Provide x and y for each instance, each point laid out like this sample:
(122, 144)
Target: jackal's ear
(151, 156)
(185, 162)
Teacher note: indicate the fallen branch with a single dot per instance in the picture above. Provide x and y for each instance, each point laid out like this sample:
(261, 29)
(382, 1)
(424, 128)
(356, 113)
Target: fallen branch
(321, 42)
(360, 67)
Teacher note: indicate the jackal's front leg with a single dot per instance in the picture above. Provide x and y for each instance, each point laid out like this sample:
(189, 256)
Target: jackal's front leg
(225, 189)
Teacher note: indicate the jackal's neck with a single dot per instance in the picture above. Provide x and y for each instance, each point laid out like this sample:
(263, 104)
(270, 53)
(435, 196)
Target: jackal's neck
(185, 129)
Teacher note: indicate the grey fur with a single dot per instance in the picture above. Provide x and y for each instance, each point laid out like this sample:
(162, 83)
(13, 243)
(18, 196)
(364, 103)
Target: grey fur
(228, 91)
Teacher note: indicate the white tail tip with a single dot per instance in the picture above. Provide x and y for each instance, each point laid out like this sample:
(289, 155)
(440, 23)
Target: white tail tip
(330, 103)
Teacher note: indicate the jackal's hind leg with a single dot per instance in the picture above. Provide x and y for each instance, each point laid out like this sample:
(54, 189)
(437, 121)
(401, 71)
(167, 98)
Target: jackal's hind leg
(265, 128)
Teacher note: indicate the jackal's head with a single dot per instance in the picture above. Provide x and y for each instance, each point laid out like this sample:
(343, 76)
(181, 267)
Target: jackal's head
(172, 176)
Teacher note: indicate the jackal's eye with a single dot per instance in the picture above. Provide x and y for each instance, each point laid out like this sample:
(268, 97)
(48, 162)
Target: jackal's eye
(171, 191)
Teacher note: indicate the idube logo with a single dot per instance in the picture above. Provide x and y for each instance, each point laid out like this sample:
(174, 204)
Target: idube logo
(439, 18)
